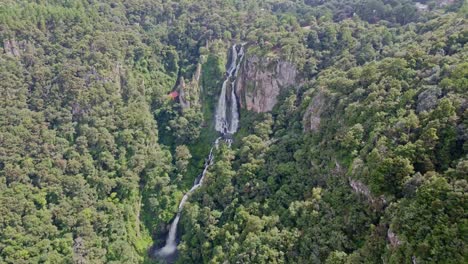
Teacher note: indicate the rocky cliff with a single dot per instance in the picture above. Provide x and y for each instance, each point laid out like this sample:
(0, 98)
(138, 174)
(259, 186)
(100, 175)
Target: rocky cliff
(261, 80)
(312, 116)
(16, 48)
(189, 92)
(11, 47)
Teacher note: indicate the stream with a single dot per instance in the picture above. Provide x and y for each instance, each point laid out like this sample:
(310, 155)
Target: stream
(227, 123)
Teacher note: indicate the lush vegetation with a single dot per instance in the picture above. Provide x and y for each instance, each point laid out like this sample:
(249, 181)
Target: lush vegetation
(95, 156)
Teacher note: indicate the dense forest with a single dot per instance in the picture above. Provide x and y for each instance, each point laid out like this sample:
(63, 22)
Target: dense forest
(351, 148)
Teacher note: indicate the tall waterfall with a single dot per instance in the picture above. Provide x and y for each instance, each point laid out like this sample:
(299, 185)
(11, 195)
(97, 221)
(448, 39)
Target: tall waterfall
(227, 122)
(227, 112)
(170, 247)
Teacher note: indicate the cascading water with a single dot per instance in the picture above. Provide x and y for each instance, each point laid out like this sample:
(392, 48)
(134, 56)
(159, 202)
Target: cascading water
(171, 243)
(227, 122)
(227, 113)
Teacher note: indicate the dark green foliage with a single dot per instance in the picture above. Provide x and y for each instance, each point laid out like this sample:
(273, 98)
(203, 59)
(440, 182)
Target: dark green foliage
(95, 156)
(381, 180)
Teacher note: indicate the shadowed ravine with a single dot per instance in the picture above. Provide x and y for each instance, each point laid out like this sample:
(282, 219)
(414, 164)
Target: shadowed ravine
(227, 123)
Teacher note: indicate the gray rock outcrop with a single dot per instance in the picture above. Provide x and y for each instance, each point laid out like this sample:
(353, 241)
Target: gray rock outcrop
(311, 119)
(261, 80)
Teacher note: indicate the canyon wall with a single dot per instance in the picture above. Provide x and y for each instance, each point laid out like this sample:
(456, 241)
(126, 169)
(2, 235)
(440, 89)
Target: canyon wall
(261, 80)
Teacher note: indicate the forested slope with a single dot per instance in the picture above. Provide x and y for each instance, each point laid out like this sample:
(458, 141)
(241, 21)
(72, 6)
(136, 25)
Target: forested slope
(78, 137)
(363, 160)
(364, 163)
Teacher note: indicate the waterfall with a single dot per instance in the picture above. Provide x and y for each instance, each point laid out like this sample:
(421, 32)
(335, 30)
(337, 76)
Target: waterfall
(227, 122)
(227, 112)
(170, 247)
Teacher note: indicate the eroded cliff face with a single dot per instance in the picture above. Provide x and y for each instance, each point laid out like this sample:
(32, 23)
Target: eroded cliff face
(18, 48)
(11, 47)
(312, 116)
(189, 92)
(261, 80)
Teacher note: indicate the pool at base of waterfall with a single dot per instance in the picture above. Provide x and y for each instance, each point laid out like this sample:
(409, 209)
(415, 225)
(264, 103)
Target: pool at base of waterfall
(167, 254)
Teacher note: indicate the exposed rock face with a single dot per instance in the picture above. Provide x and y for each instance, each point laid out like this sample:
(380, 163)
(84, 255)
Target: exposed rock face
(422, 7)
(442, 3)
(261, 80)
(182, 97)
(11, 47)
(189, 92)
(311, 120)
(377, 203)
(359, 187)
(79, 251)
(393, 238)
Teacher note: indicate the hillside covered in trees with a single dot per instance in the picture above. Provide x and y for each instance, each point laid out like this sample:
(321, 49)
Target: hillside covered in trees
(351, 146)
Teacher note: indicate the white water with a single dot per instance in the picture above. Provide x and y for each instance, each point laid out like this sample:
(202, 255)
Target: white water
(227, 122)
(171, 242)
(227, 112)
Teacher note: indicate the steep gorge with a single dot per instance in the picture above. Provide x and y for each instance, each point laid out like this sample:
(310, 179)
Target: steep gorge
(350, 143)
(226, 123)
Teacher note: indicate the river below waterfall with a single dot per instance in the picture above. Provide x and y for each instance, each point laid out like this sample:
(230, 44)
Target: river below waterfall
(227, 123)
